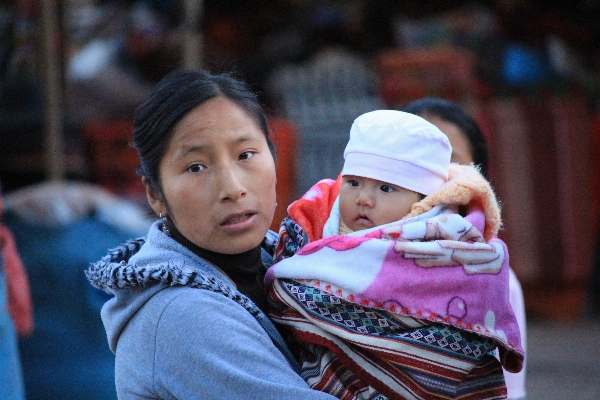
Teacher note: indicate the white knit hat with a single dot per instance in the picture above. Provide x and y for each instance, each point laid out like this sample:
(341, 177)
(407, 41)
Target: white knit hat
(398, 148)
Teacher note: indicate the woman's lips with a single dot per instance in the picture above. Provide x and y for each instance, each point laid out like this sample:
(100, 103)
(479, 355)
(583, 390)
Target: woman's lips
(239, 221)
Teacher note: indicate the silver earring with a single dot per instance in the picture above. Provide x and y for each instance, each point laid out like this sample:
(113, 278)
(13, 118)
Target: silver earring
(164, 225)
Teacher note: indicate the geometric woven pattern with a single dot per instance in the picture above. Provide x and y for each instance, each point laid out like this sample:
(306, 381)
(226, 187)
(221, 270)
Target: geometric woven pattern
(355, 352)
(450, 338)
(358, 319)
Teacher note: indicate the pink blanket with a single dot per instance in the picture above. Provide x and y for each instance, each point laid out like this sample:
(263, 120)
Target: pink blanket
(434, 267)
(369, 308)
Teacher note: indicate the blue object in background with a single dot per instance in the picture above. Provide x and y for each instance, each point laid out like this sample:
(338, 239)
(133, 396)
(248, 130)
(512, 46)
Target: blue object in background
(524, 66)
(67, 356)
(11, 380)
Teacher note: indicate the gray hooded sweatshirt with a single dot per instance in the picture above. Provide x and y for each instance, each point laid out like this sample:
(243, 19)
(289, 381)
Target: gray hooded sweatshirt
(181, 330)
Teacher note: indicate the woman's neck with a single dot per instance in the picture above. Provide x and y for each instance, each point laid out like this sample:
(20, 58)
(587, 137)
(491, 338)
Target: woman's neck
(246, 269)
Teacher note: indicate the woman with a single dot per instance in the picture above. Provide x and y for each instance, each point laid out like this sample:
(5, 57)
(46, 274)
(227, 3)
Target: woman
(469, 147)
(186, 320)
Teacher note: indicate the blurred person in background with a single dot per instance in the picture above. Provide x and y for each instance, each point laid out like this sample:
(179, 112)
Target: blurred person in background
(469, 147)
(122, 54)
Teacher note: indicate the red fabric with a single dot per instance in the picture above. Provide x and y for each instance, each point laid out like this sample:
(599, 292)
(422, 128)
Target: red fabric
(312, 215)
(595, 174)
(20, 305)
(19, 295)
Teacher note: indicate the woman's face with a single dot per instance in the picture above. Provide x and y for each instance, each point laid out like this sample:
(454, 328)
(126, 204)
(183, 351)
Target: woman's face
(461, 149)
(218, 178)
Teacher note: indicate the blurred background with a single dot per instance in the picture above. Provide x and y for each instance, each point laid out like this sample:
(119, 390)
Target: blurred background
(72, 73)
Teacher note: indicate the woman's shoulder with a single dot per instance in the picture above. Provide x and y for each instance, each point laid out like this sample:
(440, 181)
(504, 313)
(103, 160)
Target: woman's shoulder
(192, 326)
(195, 308)
(178, 330)
(187, 341)
(169, 317)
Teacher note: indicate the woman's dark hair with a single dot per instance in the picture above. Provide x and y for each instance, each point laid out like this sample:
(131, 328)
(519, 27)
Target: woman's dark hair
(175, 95)
(451, 112)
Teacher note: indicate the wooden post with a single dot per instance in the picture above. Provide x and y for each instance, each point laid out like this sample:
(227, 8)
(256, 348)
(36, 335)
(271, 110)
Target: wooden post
(53, 140)
(192, 43)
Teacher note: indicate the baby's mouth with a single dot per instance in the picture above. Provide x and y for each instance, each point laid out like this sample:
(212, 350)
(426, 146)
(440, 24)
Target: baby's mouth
(363, 220)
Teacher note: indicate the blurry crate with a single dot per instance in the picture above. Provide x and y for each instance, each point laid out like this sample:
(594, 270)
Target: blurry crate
(112, 159)
(546, 177)
(285, 137)
(407, 75)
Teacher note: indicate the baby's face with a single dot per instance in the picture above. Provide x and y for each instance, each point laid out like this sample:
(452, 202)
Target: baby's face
(366, 202)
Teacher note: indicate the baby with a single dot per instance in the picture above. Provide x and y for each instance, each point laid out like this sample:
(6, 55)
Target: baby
(390, 280)
(392, 161)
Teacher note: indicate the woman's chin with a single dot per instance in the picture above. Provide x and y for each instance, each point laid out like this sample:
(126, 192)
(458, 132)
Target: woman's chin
(240, 240)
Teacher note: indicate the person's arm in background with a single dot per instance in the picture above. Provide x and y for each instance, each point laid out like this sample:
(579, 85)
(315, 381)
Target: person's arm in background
(18, 296)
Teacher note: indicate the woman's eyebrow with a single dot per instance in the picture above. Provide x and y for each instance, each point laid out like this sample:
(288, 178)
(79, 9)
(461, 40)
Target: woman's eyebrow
(200, 148)
(243, 139)
(185, 150)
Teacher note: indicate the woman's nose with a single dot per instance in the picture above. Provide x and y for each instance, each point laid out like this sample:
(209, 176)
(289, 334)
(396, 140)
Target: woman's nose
(232, 185)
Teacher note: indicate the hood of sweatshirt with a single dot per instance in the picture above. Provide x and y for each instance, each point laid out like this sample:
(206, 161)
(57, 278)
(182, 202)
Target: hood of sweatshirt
(138, 269)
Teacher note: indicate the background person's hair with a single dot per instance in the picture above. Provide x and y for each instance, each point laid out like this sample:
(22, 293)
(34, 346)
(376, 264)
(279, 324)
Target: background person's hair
(175, 95)
(451, 112)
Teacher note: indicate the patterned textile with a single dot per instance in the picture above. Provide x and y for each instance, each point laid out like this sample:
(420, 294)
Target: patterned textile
(411, 309)
(354, 352)
(291, 239)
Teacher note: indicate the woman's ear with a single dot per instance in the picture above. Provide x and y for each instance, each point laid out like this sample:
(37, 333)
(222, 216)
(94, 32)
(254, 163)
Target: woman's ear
(154, 199)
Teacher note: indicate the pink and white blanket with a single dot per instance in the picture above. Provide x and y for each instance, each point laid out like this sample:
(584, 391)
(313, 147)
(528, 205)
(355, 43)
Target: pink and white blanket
(431, 275)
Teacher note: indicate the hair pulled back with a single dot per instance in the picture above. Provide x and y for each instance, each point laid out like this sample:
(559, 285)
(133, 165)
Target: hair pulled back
(451, 112)
(175, 95)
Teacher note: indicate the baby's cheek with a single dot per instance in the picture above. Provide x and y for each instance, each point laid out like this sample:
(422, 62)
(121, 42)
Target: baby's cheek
(391, 213)
(344, 218)
(345, 210)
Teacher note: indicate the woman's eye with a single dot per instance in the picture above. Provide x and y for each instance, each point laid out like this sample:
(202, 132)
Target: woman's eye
(386, 188)
(246, 155)
(353, 182)
(196, 168)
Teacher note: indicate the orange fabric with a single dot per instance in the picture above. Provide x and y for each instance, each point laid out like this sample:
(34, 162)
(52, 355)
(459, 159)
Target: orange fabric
(312, 215)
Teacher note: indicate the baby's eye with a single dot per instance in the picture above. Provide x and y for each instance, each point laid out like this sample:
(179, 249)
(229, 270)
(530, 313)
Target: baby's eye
(386, 188)
(196, 168)
(246, 155)
(352, 182)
